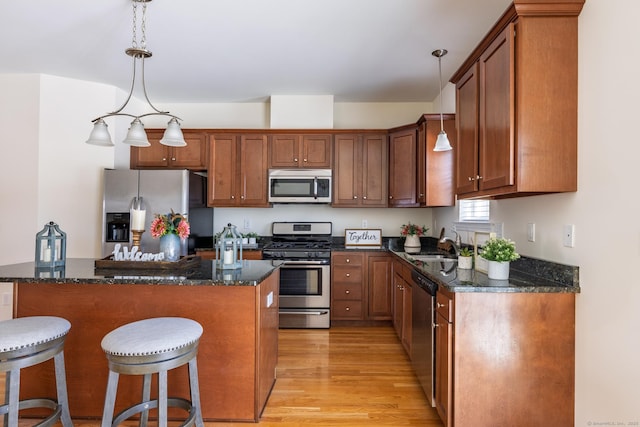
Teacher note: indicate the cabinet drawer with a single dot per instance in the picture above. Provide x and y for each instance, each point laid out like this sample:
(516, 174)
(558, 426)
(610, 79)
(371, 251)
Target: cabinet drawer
(347, 291)
(347, 274)
(347, 259)
(444, 306)
(342, 309)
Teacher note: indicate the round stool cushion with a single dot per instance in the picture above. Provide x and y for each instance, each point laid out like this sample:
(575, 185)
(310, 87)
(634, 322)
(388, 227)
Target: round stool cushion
(23, 332)
(152, 336)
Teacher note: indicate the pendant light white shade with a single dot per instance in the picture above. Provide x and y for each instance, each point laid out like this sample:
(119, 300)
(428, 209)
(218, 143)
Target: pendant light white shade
(442, 143)
(136, 136)
(173, 136)
(100, 134)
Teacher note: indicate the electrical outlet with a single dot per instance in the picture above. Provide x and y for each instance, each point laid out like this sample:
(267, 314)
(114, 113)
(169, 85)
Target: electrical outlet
(531, 232)
(568, 235)
(364, 223)
(247, 224)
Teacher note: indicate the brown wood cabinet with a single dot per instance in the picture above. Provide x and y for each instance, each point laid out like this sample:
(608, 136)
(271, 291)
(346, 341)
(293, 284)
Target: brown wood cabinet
(403, 167)
(311, 151)
(516, 104)
(360, 286)
(435, 180)
(238, 170)
(360, 169)
(402, 303)
(252, 254)
(505, 347)
(194, 156)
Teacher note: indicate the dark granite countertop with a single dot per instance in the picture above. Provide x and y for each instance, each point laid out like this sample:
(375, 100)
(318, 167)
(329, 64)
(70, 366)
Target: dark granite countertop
(82, 270)
(525, 275)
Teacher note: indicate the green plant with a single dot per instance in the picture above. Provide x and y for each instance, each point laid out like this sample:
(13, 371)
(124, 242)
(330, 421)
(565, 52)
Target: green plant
(465, 251)
(251, 234)
(499, 249)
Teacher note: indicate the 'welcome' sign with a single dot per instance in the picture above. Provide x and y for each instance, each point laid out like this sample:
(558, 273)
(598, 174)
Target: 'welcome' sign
(363, 237)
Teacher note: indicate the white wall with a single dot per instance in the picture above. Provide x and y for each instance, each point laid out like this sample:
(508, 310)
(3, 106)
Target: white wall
(607, 248)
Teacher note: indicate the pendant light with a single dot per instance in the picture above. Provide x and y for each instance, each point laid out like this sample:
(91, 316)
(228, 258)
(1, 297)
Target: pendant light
(442, 143)
(136, 136)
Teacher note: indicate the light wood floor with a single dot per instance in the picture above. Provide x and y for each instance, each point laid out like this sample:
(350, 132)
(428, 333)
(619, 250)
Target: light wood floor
(342, 376)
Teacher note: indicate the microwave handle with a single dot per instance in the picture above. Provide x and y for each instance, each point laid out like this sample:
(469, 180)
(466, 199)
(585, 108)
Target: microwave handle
(315, 187)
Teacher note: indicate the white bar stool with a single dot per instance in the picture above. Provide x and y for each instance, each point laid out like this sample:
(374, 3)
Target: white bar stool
(28, 341)
(147, 347)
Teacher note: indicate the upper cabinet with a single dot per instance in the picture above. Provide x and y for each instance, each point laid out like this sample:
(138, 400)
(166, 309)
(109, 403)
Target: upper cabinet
(158, 156)
(238, 170)
(402, 167)
(360, 170)
(311, 151)
(516, 104)
(435, 181)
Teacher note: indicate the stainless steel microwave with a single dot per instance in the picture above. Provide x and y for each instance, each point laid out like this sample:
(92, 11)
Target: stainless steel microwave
(300, 185)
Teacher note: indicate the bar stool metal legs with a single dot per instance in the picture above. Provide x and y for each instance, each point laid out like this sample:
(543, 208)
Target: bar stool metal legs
(147, 347)
(28, 341)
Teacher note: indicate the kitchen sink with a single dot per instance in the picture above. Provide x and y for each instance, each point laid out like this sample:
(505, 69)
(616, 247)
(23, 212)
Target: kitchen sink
(432, 257)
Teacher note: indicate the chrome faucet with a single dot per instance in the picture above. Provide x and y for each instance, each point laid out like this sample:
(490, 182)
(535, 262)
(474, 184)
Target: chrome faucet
(455, 247)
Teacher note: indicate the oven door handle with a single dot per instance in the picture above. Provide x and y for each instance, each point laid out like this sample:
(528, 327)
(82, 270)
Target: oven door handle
(313, 313)
(306, 262)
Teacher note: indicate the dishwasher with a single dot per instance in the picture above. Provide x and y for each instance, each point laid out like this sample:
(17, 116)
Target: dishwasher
(422, 333)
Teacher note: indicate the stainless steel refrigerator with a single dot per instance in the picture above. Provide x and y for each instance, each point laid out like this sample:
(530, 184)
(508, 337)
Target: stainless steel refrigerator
(162, 190)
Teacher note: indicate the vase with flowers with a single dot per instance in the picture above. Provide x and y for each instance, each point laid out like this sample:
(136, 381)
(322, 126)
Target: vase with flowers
(412, 234)
(499, 252)
(170, 229)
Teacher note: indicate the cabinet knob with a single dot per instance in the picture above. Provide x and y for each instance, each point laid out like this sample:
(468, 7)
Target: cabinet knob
(347, 309)
(348, 275)
(304, 160)
(355, 197)
(348, 261)
(242, 197)
(173, 159)
(439, 305)
(295, 160)
(233, 197)
(164, 159)
(347, 292)
(479, 177)
(390, 197)
(470, 179)
(364, 198)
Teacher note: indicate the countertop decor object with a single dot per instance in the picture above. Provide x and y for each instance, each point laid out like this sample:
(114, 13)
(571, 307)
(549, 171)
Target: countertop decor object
(499, 252)
(170, 228)
(51, 247)
(465, 259)
(229, 248)
(412, 235)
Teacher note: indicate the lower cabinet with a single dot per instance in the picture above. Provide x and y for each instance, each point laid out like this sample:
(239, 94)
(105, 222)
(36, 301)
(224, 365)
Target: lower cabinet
(360, 286)
(402, 310)
(514, 353)
(254, 254)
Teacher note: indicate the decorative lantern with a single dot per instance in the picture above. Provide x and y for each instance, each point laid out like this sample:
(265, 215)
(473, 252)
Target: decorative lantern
(51, 247)
(229, 249)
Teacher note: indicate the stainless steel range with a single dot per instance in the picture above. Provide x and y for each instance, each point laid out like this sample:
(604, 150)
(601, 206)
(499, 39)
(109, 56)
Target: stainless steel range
(305, 276)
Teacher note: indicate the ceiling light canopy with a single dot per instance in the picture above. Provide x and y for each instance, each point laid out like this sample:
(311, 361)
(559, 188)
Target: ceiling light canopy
(442, 143)
(136, 136)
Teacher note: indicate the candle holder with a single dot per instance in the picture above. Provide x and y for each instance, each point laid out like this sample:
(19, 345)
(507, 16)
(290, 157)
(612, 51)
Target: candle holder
(51, 247)
(229, 249)
(136, 237)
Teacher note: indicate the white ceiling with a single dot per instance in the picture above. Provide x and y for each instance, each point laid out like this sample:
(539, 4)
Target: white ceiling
(247, 50)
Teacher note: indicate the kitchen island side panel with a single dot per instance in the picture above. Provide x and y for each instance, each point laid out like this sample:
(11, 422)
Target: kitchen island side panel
(227, 355)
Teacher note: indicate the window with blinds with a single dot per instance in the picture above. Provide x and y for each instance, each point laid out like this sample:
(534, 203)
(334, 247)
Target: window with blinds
(473, 210)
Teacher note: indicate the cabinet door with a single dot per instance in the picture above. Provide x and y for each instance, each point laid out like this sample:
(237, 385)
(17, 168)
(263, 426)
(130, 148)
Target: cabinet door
(402, 168)
(379, 281)
(222, 170)
(467, 99)
(284, 151)
(252, 180)
(346, 171)
(398, 286)
(444, 369)
(316, 151)
(194, 155)
(155, 156)
(435, 184)
(375, 166)
(497, 115)
(407, 310)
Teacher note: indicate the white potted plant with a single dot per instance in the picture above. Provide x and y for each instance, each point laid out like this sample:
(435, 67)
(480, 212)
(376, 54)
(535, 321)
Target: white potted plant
(412, 235)
(465, 258)
(499, 252)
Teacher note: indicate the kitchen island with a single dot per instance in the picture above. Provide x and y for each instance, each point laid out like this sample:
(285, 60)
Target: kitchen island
(238, 310)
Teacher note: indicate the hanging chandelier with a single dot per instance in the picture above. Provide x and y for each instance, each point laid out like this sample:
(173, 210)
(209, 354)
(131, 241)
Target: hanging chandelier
(136, 136)
(442, 143)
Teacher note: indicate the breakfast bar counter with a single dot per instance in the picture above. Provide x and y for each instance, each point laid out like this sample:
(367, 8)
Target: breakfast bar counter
(238, 310)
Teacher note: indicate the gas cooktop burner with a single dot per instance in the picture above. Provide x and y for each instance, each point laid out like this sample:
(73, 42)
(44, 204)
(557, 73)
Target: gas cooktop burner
(298, 245)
